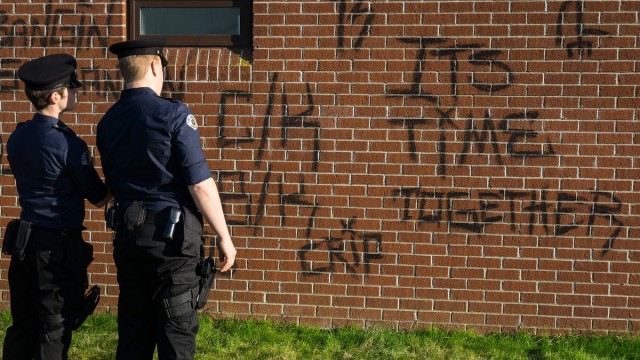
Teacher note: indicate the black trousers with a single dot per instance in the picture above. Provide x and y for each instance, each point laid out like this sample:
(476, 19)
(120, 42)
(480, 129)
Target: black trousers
(46, 288)
(152, 269)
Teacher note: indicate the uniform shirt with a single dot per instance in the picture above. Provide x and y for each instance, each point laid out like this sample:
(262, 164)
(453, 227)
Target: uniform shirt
(150, 150)
(54, 173)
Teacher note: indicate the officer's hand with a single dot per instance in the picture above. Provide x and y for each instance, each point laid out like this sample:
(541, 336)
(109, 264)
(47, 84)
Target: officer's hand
(227, 253)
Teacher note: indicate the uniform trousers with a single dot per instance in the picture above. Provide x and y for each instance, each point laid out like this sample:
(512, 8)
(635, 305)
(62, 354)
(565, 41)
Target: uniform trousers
(152, 269)
(46, 290)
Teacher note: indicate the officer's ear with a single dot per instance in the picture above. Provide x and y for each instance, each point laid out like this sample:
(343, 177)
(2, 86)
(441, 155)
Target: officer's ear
(156, 66)
(53, 98)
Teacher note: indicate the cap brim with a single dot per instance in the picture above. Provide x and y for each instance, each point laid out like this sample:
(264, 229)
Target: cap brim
(75, 83)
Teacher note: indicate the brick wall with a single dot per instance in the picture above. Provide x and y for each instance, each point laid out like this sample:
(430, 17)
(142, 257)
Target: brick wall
(464, 164)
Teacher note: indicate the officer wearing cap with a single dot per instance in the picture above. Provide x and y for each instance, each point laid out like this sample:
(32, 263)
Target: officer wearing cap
(155, 167)
(54, 174)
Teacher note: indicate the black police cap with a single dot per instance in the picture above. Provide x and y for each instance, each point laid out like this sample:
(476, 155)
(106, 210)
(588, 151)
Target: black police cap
(140, 47)
(50, 72)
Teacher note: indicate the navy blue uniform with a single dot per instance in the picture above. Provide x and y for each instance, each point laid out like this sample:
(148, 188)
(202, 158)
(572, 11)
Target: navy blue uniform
(150, 151)
(54, 174)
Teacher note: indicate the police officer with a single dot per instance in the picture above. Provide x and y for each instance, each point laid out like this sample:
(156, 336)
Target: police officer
(156, 169)
(53, 170)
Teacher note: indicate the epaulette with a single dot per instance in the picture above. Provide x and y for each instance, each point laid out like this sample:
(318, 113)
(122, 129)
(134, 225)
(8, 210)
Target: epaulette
(170, 99)
(63, 128)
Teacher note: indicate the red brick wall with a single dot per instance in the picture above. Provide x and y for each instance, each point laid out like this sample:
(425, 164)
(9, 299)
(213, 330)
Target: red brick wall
(465, 164)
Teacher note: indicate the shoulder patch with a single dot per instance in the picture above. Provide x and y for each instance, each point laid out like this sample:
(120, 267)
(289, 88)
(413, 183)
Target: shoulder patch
(191, 122)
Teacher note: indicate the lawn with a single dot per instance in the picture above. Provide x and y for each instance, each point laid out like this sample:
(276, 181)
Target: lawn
(252, 339)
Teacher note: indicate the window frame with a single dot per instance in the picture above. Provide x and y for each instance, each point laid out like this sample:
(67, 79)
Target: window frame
(242, 40)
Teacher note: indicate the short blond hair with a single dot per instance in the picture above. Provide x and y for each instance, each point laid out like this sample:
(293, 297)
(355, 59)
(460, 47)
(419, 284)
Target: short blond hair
(134, 67)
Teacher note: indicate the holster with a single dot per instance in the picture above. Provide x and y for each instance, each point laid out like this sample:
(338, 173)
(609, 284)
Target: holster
(91, 299)
(207, 271)
(16, 238)
(134, 215)
(112, 217)
(10, 234)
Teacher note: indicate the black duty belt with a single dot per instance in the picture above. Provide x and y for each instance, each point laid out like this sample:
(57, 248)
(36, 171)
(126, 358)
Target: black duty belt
(57, 232)
(156, 217)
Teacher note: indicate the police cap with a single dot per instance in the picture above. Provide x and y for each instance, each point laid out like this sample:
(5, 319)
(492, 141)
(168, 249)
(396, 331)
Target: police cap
(140, 47)
(50, 72)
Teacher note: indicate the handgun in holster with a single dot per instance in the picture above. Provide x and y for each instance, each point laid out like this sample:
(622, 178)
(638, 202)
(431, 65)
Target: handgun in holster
(10, 234)
(135, 215)
(16, 238)
(91, 299)
(207, 271)
(111, 216)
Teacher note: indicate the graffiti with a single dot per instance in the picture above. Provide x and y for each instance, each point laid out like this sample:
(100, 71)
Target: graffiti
(519, 133)
(515, 129)
(223, 140)
(236, 195)
(9, 81)
(571, 31)
(410, 125)
(99, 81)
(300, 120)
(298, 199)
(441, 72)
(86, 34)
(353, 250)
(289, 121)
(358, 10)
(53, 32)
(483, 63)
(233, 193)
(175, 88)
(523, 211)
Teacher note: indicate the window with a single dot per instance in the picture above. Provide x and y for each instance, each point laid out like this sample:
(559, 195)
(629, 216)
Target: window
(191, 22)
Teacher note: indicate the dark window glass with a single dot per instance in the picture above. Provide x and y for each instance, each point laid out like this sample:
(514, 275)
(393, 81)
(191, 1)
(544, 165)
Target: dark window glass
(191, 23)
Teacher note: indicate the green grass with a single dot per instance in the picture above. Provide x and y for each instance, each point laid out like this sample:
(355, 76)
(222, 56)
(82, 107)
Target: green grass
(251, 339)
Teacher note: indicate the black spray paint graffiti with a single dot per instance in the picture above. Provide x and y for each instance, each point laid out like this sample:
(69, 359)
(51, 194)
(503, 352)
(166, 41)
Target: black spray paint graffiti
(237, 196)
(361, 17)
(53, 32)
(7, 85)
(351, 249)
(519, 138)
(300, 120)
(521, 210)
(516, 131)
(303, 202)
(518, 128)
(354, 251)
(571, 30)
(482, 61)
(358, 10)
(299, 199)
